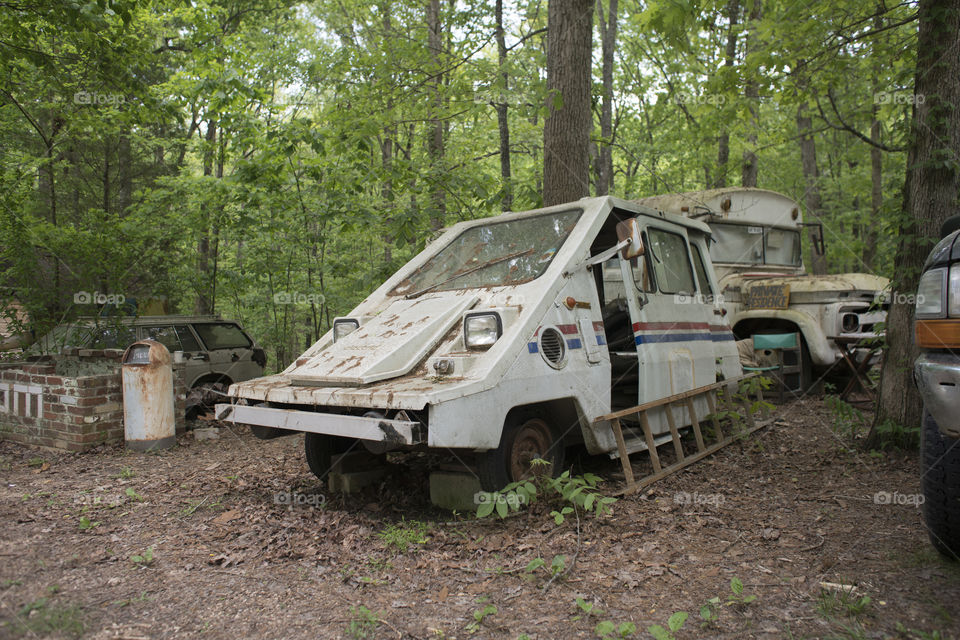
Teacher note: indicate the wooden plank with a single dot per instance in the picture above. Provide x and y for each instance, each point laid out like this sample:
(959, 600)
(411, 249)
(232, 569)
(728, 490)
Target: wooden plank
(651, 446)
(712, 403)
(624, 456)
(674, 398)
(674, 433)
(696, 425)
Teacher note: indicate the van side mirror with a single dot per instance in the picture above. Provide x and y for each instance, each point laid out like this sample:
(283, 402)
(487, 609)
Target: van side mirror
(949, 225)
(630, 230)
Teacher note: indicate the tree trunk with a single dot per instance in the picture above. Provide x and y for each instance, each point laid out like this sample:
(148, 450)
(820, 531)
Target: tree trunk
(729, 56)
(502, 123)
(811, 174)
(608, 35)
(435, 140)
(203, 305)
(931, 191)
(566, 131)
(751, 92)
(876, 167)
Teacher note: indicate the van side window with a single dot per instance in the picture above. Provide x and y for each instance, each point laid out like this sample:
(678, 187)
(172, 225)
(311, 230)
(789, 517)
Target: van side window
(222, 336)
(166, 336)
(186, 338)
(671, 262)
(705, 286)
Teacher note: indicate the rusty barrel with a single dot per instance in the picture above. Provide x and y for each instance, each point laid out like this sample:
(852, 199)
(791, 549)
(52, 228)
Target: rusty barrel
(148, 413)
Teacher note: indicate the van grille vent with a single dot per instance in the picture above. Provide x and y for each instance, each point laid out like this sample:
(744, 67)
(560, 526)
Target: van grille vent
(552, 346)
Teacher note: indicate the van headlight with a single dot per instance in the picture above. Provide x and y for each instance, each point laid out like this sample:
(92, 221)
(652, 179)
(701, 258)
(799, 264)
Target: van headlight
(344, 326)
(931, 293)
(481, 330)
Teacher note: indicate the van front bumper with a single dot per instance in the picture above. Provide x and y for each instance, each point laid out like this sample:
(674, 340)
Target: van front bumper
(938, 378)
(396, 432)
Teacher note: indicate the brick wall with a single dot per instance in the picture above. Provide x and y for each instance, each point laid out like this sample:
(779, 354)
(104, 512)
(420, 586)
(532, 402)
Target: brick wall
(73, 401)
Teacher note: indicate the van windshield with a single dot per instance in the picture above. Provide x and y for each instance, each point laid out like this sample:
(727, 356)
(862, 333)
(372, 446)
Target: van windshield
(754, 244)
(501, 253)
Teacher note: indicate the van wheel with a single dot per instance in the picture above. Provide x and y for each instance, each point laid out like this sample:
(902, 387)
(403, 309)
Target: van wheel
(524, 439)
(319, 450)
(940, 465)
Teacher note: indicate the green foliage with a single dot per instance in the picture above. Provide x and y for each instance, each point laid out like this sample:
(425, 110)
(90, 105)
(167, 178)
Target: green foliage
(144, 559)
(403, 535)
(736, 596)
(44, 618)
(86, 524)
(674, 623)
(564, 491)
(608, 629)
(846, 420)
(363, 623)
(478, 617)
(831, 603)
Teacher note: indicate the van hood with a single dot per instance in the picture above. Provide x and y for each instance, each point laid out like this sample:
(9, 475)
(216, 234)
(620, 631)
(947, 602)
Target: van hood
(387, 345)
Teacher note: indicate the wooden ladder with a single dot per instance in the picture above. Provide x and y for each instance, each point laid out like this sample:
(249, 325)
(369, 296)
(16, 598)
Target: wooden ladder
(710, 392)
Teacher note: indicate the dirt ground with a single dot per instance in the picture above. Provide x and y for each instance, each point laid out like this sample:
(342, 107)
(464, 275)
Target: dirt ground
(234, 538)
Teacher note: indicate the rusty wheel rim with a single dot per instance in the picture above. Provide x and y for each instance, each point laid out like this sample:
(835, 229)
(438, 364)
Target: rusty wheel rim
(533, 440)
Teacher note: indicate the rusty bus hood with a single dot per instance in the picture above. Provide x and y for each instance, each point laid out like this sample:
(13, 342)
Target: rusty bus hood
(387, 345)
(829, 285)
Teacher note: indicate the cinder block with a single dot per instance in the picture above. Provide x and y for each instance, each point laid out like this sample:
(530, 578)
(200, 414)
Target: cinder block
(354, 481)
(454, 490)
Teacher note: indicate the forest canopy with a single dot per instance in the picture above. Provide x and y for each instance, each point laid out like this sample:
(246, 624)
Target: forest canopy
(274, 161)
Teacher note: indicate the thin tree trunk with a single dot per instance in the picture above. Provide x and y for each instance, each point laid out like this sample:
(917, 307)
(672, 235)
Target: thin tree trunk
(566, 131)
(931, 192)
(435, 140)
(503, 124)
(608, 35)
(876, 169)
(203, 303)
(729, 57)
(811, 174)
(751, 92)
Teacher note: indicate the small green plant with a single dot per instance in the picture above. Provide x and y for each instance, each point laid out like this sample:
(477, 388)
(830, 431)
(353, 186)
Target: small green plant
(841, 601)
(478, 617)
(144, 559)
(736, 597)
(125, 473)
(133, 495)
(608, 629)
(587, 608)
(567, 490)
(709, 613)
(674, 624)
(847, 420)
(35, 462)
(86, 523)
(41, 618)
(363, 623)
(404, 535)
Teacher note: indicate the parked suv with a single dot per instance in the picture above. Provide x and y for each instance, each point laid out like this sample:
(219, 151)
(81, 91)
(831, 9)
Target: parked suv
(215, 350)
(937, 373)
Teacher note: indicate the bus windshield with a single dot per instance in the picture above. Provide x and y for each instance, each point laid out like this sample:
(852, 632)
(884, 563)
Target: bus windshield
(754, 244)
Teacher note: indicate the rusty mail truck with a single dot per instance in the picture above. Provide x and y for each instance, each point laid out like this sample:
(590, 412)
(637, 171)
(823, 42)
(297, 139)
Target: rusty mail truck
(506, 337)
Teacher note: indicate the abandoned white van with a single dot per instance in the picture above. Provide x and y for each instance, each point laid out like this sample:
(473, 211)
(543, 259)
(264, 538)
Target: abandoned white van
(506, 338)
